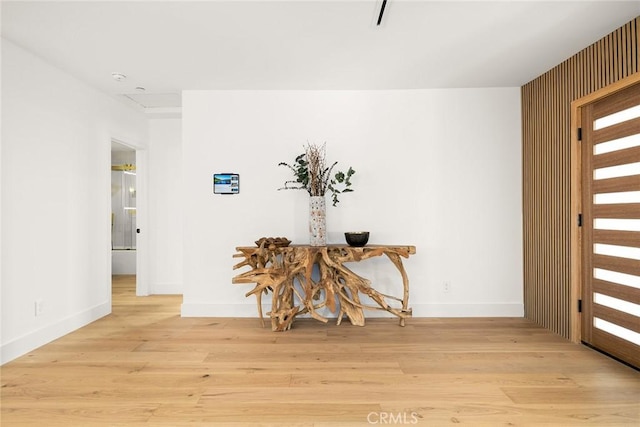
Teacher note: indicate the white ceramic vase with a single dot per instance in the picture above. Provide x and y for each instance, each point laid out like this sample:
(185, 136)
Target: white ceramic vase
(317, 221)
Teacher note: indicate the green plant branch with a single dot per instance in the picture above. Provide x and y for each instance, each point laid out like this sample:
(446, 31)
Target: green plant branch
(312, 174)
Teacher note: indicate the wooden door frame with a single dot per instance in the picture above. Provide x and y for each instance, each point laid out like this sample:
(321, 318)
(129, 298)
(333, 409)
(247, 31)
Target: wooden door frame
(575, 330)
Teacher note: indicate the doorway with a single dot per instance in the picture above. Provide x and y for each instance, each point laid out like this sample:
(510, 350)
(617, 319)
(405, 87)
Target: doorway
(123, 209)
(609, 220)
(128, 208)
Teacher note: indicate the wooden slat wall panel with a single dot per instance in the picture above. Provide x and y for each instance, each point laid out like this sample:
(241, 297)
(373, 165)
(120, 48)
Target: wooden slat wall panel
(546, 164)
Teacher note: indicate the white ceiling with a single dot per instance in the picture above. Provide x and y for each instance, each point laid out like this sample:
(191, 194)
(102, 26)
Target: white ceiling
(170, 46)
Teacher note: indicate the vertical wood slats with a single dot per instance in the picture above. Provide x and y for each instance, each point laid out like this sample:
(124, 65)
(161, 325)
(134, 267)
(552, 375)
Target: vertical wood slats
(546, 166)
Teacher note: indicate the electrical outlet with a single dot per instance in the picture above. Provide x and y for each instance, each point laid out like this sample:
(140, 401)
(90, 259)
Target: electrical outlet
(39, 307)
(446, 287)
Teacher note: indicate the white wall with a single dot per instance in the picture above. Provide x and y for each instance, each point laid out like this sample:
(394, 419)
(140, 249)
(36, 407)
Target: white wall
(438, 169)
(1, 174)
(56, 139)
(165, 206)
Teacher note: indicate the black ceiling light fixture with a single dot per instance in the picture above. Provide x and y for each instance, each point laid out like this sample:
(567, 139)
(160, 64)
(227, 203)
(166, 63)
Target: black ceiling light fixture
(384, 4)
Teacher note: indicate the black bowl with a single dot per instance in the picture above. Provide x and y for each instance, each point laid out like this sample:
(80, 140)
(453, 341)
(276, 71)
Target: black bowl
(357, 238)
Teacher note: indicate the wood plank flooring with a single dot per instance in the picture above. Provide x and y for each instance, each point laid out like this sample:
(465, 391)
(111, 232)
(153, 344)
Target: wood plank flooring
(145, 365)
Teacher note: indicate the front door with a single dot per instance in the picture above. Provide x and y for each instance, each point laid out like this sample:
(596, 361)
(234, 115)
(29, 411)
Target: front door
(611, 224)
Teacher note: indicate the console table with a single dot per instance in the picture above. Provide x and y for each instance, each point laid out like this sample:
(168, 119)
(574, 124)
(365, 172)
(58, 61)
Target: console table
(288, 274)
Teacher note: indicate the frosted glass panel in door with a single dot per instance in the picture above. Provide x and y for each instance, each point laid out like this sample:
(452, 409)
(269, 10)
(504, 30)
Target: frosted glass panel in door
(123, 214)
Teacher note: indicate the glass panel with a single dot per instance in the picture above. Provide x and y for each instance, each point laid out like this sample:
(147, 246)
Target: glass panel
(129, 193)
(615, 277)
(622, 197)
(619, 251)
(617, 224)
(616, 171)
(617, 144)
(617, 304)
(619, 117)
(123, 209)
(616, 330)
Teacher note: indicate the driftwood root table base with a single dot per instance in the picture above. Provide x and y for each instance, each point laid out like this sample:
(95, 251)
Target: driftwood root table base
(287, 273)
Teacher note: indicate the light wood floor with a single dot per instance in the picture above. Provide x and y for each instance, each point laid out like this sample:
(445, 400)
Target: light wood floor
(144, 364)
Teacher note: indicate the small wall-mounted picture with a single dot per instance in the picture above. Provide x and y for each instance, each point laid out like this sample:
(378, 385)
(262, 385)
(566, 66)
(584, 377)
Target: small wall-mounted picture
(226, 183)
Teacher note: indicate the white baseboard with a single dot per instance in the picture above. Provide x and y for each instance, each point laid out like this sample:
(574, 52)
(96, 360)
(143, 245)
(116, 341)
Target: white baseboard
(26, 343)
(469, 310)
(419, 310)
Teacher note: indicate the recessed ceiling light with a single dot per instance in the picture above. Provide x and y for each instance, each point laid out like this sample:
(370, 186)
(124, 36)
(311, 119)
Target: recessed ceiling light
(118, 76)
